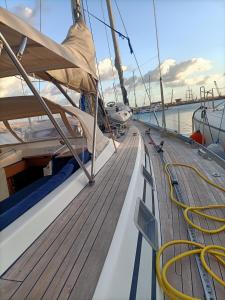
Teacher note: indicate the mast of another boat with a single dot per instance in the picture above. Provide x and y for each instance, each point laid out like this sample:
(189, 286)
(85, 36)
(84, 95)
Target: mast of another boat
(160, 73)
(171, 99)
(118, 64)
(135, 99)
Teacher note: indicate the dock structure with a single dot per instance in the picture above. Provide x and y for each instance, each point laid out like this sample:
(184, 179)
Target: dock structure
(181, 102)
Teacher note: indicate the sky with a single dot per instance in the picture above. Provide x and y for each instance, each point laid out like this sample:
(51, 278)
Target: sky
(191, 43)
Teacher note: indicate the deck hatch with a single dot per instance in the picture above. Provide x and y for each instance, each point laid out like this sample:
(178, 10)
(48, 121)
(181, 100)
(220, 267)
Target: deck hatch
(147, 176)
(146, 223)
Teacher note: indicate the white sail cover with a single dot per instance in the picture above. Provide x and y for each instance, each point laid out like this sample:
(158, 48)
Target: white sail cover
(74, 60)
(79, 42)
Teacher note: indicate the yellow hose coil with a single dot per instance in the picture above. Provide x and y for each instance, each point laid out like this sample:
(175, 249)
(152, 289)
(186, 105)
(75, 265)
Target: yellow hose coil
(169, 290)
(196, 209)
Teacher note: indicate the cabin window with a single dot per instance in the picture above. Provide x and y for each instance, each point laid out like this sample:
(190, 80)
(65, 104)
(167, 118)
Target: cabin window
(6, 136)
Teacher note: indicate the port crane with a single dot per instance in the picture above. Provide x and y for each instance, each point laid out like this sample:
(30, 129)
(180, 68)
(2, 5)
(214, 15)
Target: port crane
(217, 89)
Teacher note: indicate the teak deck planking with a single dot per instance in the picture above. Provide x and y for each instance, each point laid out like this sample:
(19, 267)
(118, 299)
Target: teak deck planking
(65, 262)
(184, 274)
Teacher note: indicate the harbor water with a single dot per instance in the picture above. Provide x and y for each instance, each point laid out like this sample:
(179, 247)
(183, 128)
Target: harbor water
(178, 118)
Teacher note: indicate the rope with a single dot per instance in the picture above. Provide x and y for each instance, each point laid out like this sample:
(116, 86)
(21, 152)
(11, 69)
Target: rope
(118, 32)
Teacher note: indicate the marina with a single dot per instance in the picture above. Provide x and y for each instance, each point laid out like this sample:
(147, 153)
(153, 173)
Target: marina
(178, 118)
(99, 200)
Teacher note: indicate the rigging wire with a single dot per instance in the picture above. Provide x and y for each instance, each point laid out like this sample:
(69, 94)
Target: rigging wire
(221, 121)
(100, 82)
(138, 66)
(6, 6)
(110, 55)
(136, 60)
(118, 32)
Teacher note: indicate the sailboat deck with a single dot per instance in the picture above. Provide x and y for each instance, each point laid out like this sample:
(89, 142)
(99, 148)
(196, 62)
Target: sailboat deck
(184, 274)
(65, 262)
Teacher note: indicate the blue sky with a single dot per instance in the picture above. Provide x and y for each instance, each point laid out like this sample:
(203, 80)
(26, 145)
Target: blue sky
(187, 29)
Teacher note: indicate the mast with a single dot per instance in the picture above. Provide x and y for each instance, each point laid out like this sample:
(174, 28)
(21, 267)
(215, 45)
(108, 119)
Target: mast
(160, 74)
(149, 89)
(135, 99)
(171, 99)
(118, 64)
(77, 14)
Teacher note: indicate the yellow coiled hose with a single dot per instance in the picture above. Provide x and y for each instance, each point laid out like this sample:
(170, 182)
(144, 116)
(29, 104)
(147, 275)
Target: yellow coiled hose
(168, 289)
(196, 209)
(202, 250)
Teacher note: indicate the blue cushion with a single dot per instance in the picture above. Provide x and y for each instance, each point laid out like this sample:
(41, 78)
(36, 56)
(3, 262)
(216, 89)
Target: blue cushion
(59, 162)
(17, 204)
(15, 198)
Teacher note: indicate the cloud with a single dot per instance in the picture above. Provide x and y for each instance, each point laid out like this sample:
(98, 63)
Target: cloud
(27, 13)
(11, 86)
(106, 70)
(51, 92)
(180, 74)
(192, 73)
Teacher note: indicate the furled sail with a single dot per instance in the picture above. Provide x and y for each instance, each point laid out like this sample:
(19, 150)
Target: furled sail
(73, 62)
(79, 42)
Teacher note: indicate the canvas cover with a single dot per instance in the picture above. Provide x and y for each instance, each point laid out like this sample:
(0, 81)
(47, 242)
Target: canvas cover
(12, 108)
(74, 60)
(78, 40)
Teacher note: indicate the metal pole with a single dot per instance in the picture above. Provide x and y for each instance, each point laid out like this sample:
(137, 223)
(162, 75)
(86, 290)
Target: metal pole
(94, 137)
(178, 117)
(101, 104)
(118, 64)
(171, 100)
(42, 102)
(135, 99)
(160, 75)
(61, 90)
(22, 48)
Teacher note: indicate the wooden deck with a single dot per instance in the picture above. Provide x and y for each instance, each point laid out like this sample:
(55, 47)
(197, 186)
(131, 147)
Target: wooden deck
(184, 274)
(65, 262)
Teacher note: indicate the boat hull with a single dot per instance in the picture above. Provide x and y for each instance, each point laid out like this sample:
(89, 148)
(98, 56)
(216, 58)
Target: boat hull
(211, 129)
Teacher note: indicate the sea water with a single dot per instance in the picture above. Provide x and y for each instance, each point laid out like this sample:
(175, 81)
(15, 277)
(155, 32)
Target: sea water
(182, 112)
(173, 114)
